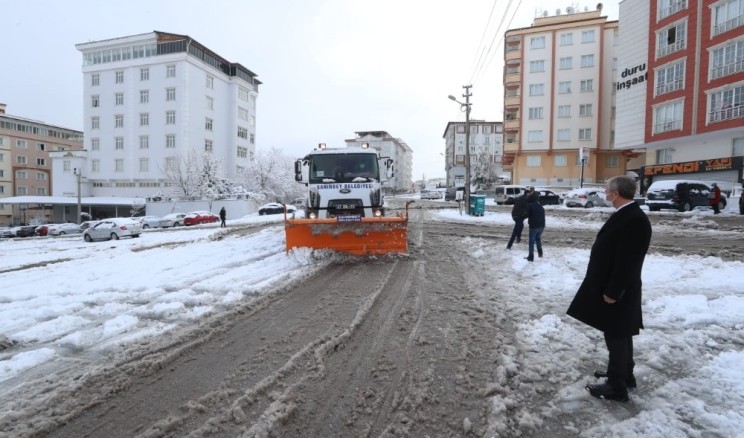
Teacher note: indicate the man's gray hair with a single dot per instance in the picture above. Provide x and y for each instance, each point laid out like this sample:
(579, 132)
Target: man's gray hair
(624, 185)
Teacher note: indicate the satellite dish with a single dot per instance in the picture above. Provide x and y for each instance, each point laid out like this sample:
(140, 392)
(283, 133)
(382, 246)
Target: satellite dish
(545, 13)
(569, 10)
(557, 12)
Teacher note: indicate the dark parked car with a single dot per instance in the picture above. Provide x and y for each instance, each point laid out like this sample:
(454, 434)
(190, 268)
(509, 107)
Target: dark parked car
(451, 193)
(25, 231)
(276, 208)
(681, 195)
(548, 197)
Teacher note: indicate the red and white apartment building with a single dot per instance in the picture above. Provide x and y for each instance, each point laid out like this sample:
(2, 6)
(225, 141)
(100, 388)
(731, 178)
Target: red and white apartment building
(679, 91)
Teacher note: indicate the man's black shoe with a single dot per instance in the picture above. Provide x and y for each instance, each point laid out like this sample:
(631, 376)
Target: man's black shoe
(607, 392)
(630, 382)
(529, 259)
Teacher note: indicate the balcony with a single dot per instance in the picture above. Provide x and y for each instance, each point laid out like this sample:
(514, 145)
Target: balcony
(513, 51)
(669, 87)
(727, 69)
(731, 113)
(728, 25)
(672, 9)
(512, 99)
(511, 125)
(666, 126)
(671, 48)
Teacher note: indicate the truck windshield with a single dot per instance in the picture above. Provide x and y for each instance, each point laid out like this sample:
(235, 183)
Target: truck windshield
(327, 168)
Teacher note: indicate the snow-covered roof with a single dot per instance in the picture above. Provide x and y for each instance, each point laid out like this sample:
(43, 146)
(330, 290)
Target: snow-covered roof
(71, 200)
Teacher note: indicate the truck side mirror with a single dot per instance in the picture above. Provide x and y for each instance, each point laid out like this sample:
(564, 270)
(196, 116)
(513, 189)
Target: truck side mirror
(298, 170)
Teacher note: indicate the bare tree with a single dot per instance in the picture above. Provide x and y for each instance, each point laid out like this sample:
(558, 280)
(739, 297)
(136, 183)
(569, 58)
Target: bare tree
(271, 175)
(183, 173)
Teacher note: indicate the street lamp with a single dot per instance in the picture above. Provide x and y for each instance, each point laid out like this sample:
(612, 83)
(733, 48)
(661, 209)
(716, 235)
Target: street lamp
(466, 106)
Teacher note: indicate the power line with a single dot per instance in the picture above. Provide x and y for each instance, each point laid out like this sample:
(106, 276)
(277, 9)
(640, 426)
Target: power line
(516, 9)
(493, 40)
(483, 37)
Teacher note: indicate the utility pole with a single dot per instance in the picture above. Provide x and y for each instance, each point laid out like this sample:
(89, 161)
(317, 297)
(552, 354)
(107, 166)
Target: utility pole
(79, 210)
(466, 106)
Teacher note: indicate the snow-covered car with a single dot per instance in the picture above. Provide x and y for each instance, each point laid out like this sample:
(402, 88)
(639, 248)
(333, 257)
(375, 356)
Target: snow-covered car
(275, 208)
(586, 197)
(149, 221)
(62, 229)
(200, 217)
(6, 232)
(87, 224)
(114, 228)
(172, 220)
(26, 231)
(430, 194)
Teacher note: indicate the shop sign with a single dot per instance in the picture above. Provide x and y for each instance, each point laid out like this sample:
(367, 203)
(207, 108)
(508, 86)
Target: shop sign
(690, 167)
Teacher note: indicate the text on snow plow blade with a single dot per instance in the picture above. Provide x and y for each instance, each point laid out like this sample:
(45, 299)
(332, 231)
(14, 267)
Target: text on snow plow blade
(366, 236)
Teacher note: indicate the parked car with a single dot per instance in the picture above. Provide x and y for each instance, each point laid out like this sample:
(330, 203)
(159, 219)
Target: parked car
(299, 203)
(87, 224)
(148, 221)
(586, 197)
(200, 217)
(114, 228)
(275, 208)
(548, 197)
(506, 194)
(451, 193)
(430, 194)
(172, 220)
(6, 233)
(680, 195)
(42, 230)
(741, 203)
(62, 229)
(27, 231)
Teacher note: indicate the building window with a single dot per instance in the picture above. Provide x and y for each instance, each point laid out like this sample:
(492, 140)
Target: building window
(41, 191)
(487, 129)
(95, 166)
(20, 159)
(536, 113)
(564, 111)
(208, 145)
(564, 87)
(170, 71)
(670, 7)
(566, 39)
(536, 89)
(728, 15)
(119, 98)
(564, 135)
(242, 152)
(119, 75)
(585, 134)
(119, 165)
(144, 165)
(208, 124)
(144, 119)
(170, 117)
(253, 139)
(535, 136)
(21, 144)
(664, 156)
(726, 104)
(21, 191)
(587, 61)
(95, 144)
(727, 60)
(566, 63)
(671, 39)
(170, 94)
(473, 131)
(95, 80)
(612, 161)
(40, 147)
(119, 143)
(560, 160)
(21, 174)
(144, 74)
(587, 36)
(537, 42)
(253, 121)
(144, 96)
(537, 66)
(210, 103)
(144, 142)
(738, 149)
(66, 166)
(668, 117)
(95, 122)
(670, 78)
(119, 121)
(170, 141)
(95, 101)
(585, 110)
(41, 162)
(244, 94)
(210, 82)
(243, 114)
(534, 161)
(41, 176)
(242, 132)
(587, 85)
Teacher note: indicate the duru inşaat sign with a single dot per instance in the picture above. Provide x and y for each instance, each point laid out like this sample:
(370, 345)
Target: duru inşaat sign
(641, 76)
(692, 166)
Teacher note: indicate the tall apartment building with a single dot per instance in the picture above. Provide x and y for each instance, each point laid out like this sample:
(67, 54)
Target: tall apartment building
(486, 146)
(25, 164)
(151, 100)
(558, 100)
(392, 147)
(681, 92)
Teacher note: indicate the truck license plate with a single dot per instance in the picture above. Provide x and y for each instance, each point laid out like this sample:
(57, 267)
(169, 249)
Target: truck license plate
(350, 218)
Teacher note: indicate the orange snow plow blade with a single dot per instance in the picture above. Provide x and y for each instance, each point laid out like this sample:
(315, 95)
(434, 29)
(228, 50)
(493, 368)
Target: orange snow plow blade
(365, 236)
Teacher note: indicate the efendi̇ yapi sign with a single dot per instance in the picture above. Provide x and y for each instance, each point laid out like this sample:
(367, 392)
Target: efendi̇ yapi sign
(712, 165)
(632, 76)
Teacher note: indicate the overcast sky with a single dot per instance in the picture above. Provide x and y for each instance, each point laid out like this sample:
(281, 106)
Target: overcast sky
(328, 67)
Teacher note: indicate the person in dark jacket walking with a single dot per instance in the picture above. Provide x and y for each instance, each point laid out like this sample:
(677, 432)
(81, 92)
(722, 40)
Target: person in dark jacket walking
(519, 213)
(223, 216)
(609, 298)
(536, 221)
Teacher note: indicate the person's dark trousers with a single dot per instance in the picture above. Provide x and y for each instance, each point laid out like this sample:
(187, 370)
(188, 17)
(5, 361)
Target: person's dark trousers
(716, 208)
(516, 232)
(620, 366)
(223, 224)
(535, 240)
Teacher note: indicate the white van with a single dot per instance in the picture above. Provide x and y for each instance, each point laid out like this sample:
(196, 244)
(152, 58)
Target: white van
(508, 193)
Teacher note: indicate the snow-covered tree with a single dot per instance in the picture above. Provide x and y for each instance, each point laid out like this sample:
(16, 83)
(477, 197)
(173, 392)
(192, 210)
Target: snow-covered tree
(271, 174)
(183, 174)
(484, 172)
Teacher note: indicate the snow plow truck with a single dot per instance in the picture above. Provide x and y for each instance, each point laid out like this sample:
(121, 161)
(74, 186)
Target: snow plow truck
(344, 208)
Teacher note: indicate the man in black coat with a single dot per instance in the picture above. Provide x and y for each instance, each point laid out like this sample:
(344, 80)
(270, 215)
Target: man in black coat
(536, 221)
(519, 213)
(609, 298)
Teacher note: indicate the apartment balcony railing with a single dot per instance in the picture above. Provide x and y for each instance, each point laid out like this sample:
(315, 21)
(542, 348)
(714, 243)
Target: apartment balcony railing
(670, 125)
(728, 69)
(672, 9)
(671, 48)
(728, 25)
(735, 112)
(669, 87)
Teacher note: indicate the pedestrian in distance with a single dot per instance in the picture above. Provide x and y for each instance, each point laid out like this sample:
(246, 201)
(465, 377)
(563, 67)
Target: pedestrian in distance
(536, 222)
(609, 298)
(714, 198)
(519, 213)
(223, 215)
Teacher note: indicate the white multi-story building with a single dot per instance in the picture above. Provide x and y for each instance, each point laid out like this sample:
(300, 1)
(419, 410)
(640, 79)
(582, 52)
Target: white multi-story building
(486, 145)
(150, 100)
(392, 147)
